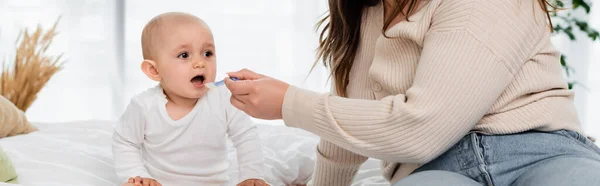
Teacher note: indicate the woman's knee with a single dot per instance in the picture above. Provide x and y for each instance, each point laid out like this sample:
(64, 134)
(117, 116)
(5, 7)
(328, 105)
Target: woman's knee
(437, 178)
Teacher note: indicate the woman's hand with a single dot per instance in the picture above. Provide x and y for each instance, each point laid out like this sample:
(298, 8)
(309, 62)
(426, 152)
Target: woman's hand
(258, 95)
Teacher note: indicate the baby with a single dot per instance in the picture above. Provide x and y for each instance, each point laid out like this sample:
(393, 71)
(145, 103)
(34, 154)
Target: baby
(175, 133)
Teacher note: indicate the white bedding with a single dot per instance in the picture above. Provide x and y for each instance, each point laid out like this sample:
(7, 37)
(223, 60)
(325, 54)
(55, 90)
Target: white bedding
(79, 153)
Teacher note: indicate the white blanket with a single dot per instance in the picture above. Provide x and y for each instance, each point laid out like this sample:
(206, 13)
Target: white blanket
(79, 153)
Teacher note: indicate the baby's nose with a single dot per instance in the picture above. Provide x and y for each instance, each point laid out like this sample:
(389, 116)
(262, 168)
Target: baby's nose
(199, 64)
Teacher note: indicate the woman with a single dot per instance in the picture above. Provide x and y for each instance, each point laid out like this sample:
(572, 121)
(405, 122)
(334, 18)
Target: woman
(446, 92)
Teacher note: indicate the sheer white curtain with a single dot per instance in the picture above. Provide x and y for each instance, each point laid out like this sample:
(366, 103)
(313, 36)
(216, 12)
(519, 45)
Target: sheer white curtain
(101, 40)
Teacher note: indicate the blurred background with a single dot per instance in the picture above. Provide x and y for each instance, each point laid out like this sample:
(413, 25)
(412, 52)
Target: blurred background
(100, 40)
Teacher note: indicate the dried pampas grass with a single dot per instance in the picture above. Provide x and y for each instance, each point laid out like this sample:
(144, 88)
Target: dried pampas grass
(32, 68)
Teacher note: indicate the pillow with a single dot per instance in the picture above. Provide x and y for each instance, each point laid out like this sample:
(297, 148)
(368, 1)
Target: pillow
(12, 120)
(7, 171)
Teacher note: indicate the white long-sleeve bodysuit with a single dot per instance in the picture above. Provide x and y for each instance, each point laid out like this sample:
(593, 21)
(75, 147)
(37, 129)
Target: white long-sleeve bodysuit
(188, 151)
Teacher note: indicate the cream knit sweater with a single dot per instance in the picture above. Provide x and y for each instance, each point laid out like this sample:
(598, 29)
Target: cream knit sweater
(457, 66)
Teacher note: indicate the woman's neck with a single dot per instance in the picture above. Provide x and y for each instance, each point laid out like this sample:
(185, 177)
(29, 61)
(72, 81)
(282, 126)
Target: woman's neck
(388, 9)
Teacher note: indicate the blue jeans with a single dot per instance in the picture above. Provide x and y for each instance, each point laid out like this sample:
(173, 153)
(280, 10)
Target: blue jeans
(525, 159)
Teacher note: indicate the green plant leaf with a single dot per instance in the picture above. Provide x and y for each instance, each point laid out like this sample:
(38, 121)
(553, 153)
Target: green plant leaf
(583, 4)
(583, 26)
(563, 63)
(557, 28)
(594, 35)
(571, 84)
(569, 32)
(560, 4)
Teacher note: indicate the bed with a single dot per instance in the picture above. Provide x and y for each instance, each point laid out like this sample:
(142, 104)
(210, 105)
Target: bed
(79, 153)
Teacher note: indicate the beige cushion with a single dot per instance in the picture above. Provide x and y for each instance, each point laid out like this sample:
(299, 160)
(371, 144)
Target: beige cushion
(12, 120)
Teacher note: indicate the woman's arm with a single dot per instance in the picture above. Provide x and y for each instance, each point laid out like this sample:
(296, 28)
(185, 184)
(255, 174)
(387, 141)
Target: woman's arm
(469, 57)
(457, 81)
(335, 165)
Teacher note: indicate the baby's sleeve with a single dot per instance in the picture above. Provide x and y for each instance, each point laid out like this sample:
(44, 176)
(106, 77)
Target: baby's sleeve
(243, 134)
(127, 141)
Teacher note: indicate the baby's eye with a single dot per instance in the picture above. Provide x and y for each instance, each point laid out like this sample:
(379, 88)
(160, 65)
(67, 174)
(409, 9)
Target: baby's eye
(208, 54)
(183, 55)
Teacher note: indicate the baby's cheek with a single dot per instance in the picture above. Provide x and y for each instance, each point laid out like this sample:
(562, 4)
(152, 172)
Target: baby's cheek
(211, 73)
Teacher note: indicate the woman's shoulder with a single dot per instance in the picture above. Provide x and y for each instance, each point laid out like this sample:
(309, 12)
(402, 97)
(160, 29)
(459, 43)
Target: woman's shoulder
(491, 13)
(512, 30)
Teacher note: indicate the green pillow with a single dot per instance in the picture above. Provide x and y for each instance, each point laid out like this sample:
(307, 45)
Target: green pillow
(7, 171)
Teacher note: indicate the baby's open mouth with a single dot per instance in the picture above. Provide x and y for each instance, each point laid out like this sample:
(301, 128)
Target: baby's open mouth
(198, 81)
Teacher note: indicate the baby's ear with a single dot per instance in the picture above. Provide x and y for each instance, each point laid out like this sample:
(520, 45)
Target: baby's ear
(149, 68)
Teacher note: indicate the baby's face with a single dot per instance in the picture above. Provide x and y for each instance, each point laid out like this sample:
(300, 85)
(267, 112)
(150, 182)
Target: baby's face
(186, 58)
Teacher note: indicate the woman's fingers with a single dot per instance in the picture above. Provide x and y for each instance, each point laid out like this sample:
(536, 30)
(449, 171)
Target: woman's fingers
(260, 98)
(240, 87)
(245, 74)
(237, 103)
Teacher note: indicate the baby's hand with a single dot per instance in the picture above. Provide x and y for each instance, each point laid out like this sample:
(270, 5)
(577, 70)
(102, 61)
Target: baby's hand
(139, 181)
(253, 182)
